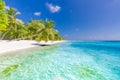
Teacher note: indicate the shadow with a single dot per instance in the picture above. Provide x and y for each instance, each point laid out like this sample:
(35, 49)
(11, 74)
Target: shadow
(41, 44)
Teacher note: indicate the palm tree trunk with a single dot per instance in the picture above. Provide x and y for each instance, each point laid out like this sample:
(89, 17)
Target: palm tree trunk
(26, 37)
(3, 35)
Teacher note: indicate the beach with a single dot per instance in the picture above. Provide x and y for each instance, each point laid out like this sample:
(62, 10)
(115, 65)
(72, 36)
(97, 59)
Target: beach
(8, 46)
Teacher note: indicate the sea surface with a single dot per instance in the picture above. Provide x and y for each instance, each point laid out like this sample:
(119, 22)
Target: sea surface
(72, 60)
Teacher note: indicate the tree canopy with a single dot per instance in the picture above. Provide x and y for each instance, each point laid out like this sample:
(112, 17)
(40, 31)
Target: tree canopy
(3, 16)
(12, 28)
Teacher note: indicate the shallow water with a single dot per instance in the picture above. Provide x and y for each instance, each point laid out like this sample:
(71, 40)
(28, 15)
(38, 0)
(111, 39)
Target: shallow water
(67, 61)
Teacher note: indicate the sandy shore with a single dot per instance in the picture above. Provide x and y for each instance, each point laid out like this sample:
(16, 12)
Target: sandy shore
(8, 46)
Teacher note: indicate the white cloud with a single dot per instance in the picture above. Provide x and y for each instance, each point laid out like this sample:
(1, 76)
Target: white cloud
(7, 7)
(37, 13)
(53, 8)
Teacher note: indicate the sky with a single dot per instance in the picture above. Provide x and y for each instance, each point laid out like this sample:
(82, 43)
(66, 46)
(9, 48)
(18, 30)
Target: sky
(75, 19)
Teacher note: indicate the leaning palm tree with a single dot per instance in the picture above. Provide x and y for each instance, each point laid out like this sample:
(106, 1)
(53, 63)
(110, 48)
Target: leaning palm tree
(34, 28)
(47, 32)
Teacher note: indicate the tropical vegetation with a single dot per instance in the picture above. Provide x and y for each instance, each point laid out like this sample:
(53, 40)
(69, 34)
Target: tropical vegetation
(3, 16)
(12, 28)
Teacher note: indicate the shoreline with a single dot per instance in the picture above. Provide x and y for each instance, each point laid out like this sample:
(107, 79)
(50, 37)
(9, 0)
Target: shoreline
(7, 46)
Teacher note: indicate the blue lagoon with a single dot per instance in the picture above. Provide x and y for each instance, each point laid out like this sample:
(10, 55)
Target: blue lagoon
(87, 60)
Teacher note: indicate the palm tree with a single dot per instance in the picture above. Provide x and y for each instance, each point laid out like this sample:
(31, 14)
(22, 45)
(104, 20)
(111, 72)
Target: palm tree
(34, 28)
(13, 26)
(31, 30)
(47, 32)
(13, 22)
(3, 18)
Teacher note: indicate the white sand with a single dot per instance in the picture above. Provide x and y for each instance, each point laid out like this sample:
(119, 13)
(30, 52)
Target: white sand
(8, 46)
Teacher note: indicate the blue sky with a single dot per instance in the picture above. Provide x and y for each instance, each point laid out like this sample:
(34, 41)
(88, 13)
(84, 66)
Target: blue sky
(75, 19)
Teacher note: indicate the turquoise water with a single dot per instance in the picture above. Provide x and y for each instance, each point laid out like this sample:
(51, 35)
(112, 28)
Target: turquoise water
(68, 61)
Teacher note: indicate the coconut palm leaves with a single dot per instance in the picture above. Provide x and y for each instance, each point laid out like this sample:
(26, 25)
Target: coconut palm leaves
(48, 32)
(14, 23)
(34, 28)
(3, 16)
(13, 28)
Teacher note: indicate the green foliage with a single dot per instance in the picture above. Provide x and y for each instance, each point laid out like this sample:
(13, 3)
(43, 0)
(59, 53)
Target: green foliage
(49, 33)
(14, 26)
(3, 16)
(33, 30)
(9, 69)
